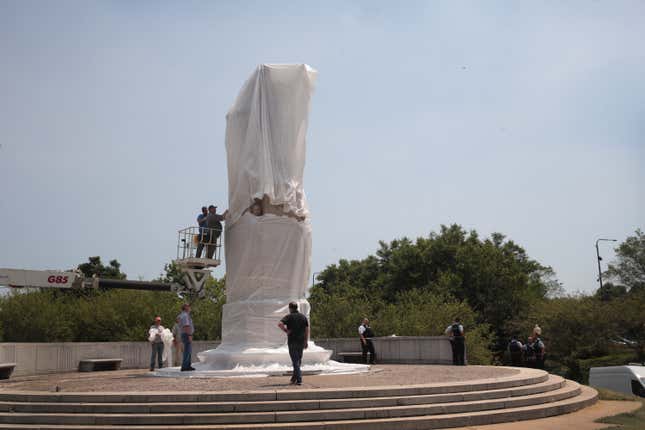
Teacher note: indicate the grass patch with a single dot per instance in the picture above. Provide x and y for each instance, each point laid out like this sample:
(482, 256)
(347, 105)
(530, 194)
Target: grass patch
(606, 394)
(627, 421)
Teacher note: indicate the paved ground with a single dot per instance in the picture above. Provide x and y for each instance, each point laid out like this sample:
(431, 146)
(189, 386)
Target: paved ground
(581, 420)
(140, 380)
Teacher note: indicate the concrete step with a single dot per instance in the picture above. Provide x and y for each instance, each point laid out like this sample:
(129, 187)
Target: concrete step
(552, 383)
(570, 389)
(586, 397)
(526, 378)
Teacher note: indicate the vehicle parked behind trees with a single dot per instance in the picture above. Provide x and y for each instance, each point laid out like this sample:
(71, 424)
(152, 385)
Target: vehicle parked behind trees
(624, 379)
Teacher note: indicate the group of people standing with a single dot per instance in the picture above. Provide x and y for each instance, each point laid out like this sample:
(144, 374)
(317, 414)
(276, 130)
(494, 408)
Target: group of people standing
(181, 337)
(530, 354)
(210, 229)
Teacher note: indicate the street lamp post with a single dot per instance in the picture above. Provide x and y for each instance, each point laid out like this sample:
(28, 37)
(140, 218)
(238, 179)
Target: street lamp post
(598, 256)
(313, 278)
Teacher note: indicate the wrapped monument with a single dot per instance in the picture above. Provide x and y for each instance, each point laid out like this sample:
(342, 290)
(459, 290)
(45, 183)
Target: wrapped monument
(268, 233)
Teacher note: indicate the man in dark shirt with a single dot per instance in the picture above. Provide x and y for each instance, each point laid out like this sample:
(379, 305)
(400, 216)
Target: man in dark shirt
(214, 226)
(296, 326)
(210, 229)
(457, 341)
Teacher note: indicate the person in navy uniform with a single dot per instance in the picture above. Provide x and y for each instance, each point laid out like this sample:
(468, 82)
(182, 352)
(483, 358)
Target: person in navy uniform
(457, 341)
(538, 347)
(366, 335)
(515, 348)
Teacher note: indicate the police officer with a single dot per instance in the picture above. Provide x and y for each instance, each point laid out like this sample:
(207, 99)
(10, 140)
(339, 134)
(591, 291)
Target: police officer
(529, 352)
(538, 347)
(515, 348)
(366, 334)
(457, 341)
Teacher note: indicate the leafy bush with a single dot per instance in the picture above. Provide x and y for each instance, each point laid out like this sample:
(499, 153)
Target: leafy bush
(102, 316)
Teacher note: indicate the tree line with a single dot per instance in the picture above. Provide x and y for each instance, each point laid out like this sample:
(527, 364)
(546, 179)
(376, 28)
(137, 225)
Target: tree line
(406, 288)
(416, 287)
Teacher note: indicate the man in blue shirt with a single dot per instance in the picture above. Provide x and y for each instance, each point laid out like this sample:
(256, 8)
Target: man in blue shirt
(201, 221)
(187, 330)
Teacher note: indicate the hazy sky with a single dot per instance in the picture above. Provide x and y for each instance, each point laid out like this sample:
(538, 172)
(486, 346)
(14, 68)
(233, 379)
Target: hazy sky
(525, 118)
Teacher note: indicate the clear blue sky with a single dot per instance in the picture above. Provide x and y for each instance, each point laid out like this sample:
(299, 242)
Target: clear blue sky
(525, 118)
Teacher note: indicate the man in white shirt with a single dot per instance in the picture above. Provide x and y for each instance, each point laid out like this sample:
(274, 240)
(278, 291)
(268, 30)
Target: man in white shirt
(366, 334)
(154, 336)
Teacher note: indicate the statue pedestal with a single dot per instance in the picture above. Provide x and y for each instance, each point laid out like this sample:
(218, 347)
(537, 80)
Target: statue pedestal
(229, 357)
(267, 259)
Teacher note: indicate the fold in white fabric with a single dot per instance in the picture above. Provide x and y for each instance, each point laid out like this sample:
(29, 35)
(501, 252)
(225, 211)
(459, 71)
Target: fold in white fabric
(265, 139)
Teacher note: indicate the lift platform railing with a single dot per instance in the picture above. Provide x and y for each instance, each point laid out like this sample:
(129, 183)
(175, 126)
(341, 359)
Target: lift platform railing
(199, 242)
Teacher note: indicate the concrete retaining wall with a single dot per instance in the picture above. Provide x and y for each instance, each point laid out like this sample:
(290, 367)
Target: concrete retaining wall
(399, 349)
(40, 358)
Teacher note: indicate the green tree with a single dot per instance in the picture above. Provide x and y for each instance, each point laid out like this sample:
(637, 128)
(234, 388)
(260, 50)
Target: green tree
(609, 292)
(628, 320)
(574, 329)
(94, 266)
(36, 316)
(493, 276)
(172, 274)
(629, 269)
(103, 315)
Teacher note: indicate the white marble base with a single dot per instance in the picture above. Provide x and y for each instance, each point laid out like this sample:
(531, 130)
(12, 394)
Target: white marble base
(229, 356)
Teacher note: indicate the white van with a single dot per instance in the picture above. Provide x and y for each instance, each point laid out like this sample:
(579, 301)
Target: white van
(624, 379)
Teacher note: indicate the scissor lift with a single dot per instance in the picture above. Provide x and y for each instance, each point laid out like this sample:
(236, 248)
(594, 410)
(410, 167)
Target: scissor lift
(198, 252)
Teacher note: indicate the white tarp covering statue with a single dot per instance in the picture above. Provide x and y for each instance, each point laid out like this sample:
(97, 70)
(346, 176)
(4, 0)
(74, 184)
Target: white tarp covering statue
(268, 231)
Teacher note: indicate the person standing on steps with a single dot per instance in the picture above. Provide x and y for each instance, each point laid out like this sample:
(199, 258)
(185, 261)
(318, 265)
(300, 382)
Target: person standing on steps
(187, 330)
(296, 326)
(366, 335)
(154, 336)
(457, 341)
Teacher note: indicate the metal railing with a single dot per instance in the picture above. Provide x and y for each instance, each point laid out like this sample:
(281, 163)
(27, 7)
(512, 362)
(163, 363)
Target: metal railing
(199, 242)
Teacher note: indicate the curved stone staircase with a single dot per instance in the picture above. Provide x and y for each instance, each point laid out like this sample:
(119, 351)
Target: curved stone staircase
(531, 394)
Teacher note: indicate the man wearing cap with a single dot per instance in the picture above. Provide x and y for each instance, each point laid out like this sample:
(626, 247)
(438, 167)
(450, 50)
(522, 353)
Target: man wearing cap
(154, 336)
(201, 221)
(214, 226)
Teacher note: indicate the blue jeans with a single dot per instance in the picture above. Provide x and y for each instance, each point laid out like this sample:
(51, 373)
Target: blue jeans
(157, 349)
(295, 352)
(188, 349)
